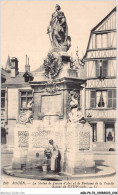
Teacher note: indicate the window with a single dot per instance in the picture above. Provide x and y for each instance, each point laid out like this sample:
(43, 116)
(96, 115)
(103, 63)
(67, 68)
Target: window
(112, 99)
(28, 76)
(109, 133)
(100, 99)
(101, 41)
(104, 40)
(3, 103)
(25, 99)
(112, 39)
(102, 68)
(107, 40)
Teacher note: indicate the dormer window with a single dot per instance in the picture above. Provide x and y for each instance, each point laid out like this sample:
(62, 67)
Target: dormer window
(28, 76)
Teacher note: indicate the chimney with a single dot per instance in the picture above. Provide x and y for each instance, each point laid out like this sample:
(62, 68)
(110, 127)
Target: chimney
(27, 66)
(14, 67)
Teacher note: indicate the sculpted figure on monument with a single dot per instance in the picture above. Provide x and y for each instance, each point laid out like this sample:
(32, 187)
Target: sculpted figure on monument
(58, 30)
(60, 41)
(26, 116)
(75, 113)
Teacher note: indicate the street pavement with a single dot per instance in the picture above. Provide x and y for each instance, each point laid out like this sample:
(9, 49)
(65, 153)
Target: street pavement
(99, 157)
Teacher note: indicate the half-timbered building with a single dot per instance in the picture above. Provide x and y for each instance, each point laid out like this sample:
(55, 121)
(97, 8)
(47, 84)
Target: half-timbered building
(100, 92)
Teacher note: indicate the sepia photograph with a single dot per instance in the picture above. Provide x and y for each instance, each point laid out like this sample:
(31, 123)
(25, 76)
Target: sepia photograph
(58, 94)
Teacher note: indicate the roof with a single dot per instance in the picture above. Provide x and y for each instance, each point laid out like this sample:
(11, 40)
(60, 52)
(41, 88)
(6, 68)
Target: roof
(40, 69)
(19, 79)
(103, 20)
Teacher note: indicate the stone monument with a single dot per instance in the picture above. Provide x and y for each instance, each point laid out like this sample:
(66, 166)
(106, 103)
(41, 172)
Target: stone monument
(57, 110)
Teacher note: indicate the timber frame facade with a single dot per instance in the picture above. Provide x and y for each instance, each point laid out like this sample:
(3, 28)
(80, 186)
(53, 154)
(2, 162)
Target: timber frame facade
(100, 90)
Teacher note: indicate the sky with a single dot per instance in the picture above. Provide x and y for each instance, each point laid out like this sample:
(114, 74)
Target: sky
(24, 25)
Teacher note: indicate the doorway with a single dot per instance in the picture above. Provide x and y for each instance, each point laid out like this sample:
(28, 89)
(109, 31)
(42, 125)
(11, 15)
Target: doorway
(109, 133)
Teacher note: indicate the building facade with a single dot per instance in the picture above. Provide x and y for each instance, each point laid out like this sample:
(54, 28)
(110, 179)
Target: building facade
(100, 91)
(16, 93)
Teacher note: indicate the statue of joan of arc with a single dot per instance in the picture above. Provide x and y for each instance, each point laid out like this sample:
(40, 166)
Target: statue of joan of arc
(58, 30)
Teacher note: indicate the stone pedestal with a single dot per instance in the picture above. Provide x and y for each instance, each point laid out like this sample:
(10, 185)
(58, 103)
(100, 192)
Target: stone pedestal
(78, 156)
(78, 162)
(50, 121)
(21, 145)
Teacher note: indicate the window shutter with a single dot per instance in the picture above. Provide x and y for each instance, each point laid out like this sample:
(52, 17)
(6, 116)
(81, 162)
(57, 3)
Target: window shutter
(105, 68)
(97, 69)
(109, 99)
(112, 99)
(93, 99)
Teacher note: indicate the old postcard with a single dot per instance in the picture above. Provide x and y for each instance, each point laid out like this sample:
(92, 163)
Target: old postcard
(58, 95)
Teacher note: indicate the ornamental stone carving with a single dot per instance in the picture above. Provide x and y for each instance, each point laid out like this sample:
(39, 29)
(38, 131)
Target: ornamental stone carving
(53, 64)
(74, 113)
(26, 116)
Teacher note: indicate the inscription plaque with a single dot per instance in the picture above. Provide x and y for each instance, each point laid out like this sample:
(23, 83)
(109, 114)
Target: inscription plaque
(52, 105)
